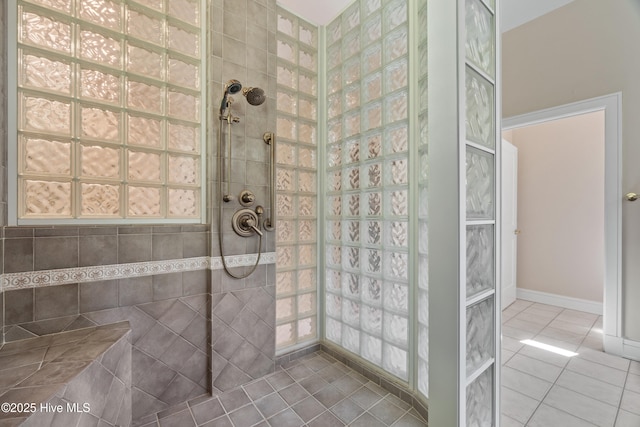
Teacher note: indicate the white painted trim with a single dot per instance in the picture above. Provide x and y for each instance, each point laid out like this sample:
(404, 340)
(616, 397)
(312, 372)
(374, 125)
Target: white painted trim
(588, 306)
(628, 349)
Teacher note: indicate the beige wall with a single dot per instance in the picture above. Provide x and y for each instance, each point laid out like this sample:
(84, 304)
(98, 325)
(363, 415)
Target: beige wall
(561, 206)
(585, 49)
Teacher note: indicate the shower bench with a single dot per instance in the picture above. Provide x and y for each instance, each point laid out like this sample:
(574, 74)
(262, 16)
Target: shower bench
(76, 378)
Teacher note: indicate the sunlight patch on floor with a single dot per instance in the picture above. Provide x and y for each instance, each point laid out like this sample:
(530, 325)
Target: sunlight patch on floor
(551, 348)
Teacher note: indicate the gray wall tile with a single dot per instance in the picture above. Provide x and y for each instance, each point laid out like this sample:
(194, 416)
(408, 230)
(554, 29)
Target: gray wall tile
(55, 252)
(98, 250)
(135, 290)
(166, 246)
(134, 248)
(18, 255)
(98, 295)
(18, 306)
(56, 301)
(167, 286)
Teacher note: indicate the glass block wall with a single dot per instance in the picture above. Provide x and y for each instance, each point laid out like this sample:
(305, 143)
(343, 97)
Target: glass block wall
(367, 200)
(109, 116)
(480, 118)
(296, 181)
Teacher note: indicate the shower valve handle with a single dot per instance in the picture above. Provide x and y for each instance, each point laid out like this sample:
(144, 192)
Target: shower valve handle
(250, 223)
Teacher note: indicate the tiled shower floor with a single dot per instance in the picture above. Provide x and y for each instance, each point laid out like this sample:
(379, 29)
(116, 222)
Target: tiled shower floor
(315, 390)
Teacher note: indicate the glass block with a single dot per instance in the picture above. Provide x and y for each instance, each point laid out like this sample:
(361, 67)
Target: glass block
(480, 334)
(374, 145)
(352, 178)
(396, 265)
(185, 10)
(351, 18)
(145, 27)
(480, 259)
(335, 131)
(480, 192)
(352, 124)
(423, 268)
(396, 44)
(184, 41)
(144, 166)
(397, 203)
(352, 205)
(370, 6)
(100, 199)
(307, 280)
(374, 232)
(100, 162)
(42, 198)
(334, 31)
(284, 256)
(286, 154)
(396, 297)
(284, 231)
(307, 59)
(334, 306)
(100, 49)
(286, 128)
(423, 377)
(395, 328)
(373, 261)
(62, 5)
(352, 97)
(45, 32)
(334, 205)
(287, 24)
(396, 75)
(285, 334)
(397, 172)
(144, 62)
(372, 320)
(184, 74)
(394, 360)
(479, 110)
(306, 230)
(333, 330)
(306, 304)
(154, 4)
(334, 281)
(372, 30)
(46, 156)
(308, 34)
(100, 124)
(284, 308)
(287, 75)
(184, 138)
(183, 170)
(372, 116)
(144, 201)
(287, 102)
(334, 230)
(351, 45)
(372, 90)
(284, 205)
(397, 234)
(396, 107)
(351, 339)
(334, 81)
(396, 139)
(351, 258)
(374, 204)
(306, 255)
(47, 115)
(307, 133)
(479, 42)
(40, 72)
(307, 157)
(371, 294)
(351, 71)
(144, 131)
(307, 182)
(100, 86)
(142, 96)
(307, 328)
(480, 400)
(334, 56)
(285, 179)
(287, 50)
(373, 175)
(101, 12)
(284, 282)
(395, 13)
(351, 231)
(308, 109)
(184, 106)
(371, 58)
(334, 105)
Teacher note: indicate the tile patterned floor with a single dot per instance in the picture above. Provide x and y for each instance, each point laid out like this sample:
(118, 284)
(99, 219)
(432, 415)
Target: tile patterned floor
(315, 391)
(544, 389)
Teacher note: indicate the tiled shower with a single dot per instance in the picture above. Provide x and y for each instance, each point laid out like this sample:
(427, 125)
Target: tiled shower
(345, 269)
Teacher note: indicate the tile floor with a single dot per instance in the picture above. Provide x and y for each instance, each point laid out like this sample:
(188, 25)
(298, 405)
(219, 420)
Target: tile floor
(315, 391)
(544, 389)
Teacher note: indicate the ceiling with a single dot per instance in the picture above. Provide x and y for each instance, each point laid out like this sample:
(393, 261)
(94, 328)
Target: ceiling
(514, 12)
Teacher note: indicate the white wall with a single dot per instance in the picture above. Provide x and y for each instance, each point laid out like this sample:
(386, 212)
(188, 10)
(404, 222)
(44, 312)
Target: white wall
(561, 206)
(586, 49)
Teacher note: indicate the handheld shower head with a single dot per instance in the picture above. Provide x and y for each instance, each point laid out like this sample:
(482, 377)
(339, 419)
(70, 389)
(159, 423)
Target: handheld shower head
(254, 95)
(231, 87)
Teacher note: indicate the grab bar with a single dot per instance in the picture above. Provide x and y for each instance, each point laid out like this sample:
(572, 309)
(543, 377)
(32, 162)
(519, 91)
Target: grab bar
(269, 138)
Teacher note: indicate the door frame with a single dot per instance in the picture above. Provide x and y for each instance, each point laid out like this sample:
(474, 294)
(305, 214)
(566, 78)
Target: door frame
(612, 107)
(504, 230)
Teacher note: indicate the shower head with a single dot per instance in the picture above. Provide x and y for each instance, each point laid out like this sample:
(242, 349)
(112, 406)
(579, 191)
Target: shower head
(254, 95)
(231, 87)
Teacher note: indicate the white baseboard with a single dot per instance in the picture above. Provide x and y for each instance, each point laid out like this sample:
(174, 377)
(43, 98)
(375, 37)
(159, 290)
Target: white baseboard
(560, 301)
(622, 347)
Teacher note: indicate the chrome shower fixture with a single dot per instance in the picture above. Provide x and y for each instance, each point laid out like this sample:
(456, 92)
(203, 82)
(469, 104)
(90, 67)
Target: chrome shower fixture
(254, 95)
(231, 87)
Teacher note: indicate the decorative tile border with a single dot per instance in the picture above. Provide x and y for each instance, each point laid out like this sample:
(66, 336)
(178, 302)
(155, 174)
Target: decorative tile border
(63, 276)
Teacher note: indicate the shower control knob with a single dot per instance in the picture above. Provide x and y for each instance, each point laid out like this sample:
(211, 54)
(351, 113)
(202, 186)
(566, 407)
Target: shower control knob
(247, 198)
